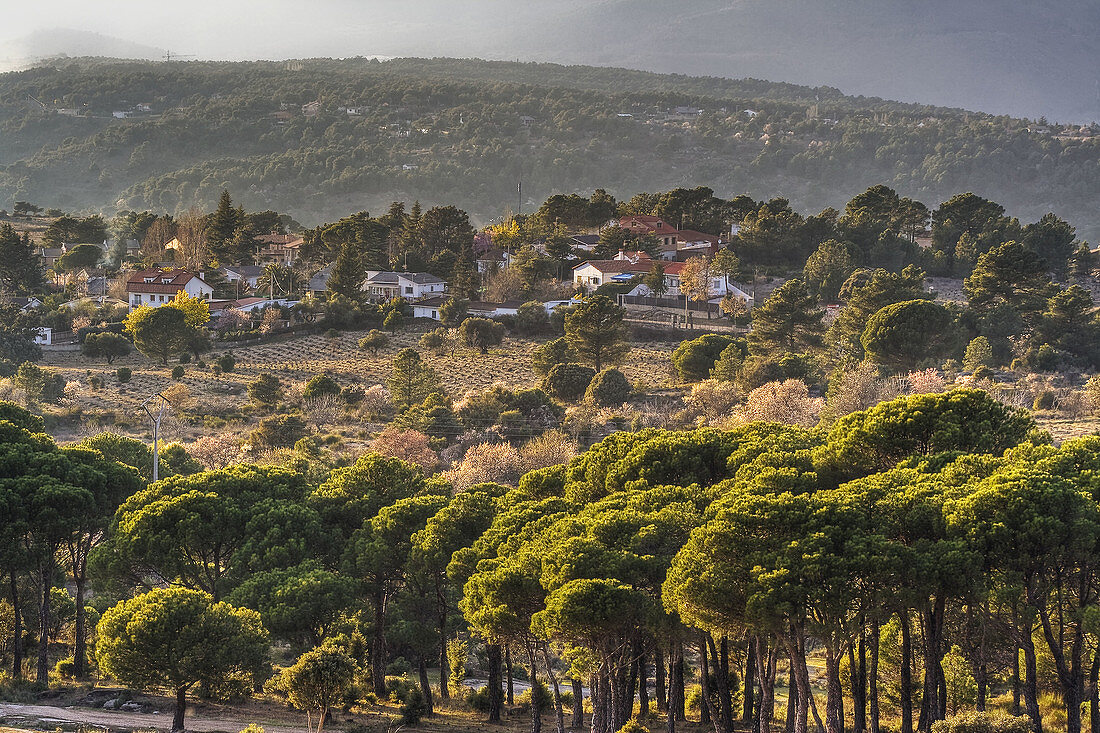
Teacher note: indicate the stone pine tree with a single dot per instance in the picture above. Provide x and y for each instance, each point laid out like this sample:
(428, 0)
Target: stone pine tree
(596, 333)
(177, 638)
(788, 321)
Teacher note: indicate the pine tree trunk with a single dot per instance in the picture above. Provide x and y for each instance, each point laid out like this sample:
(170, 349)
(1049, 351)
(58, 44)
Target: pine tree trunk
(378, 646)
(748, 681)
(1016, 687)
(425, 685)
(906, 673)
(1094, 693)
(659, 678)
(43, 671)
(181, 709)
(834, 703)
(643, 681)
(872, 678)
(1031, 682)
(578, 705)
(721, 679)
(559, 713)
(444, 662)
(536, 715)
(495, 693)
(705, 716)
(857, 664)
(508, 669)
(80, 642)
(17, 631)
(678, 687)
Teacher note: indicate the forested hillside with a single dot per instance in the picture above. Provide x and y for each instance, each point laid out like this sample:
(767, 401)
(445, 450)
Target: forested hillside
(467, 132)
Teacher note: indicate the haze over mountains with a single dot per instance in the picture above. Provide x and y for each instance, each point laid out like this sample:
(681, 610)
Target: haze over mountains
(1028, 58)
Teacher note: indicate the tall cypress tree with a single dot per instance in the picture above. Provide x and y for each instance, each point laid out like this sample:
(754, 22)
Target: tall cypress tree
(221, 227)
(347, 273)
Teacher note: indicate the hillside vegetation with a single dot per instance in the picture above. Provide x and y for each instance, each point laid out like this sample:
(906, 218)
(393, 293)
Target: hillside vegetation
(455, 131)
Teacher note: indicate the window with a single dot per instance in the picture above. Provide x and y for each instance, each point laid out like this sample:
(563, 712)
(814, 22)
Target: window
(434, 314)
(408, 290)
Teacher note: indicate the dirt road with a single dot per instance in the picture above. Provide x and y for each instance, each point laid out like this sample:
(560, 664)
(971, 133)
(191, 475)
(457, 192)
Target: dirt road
(47, 717)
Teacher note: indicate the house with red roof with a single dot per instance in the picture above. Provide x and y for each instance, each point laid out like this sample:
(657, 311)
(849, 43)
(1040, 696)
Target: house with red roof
(156, 287)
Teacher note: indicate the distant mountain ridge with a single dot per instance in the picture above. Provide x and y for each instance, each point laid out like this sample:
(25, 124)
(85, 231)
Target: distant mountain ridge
(66, 42)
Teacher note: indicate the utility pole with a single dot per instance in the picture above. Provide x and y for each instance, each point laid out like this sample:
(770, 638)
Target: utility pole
(161, 406)
(519, 208)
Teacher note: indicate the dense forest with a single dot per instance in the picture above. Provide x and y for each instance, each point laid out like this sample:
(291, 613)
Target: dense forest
(468, 132)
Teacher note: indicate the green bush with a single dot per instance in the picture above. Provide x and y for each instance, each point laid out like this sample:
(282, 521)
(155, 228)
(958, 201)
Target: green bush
(550, 354)
(177, 372)
(279, 431)
(185, 358)
(374, 340)
(478, 700)
(983, 372)
(40, 384)
(974, 722)
(399, 666)
(65, 668)
(265, 390)
(541, 695)
(1043, 401)
(568, 382)
(123, 374)
(320, 385)
(226, 362)
(608, 388)
(415, 706)
(694, 359)
(633, 726)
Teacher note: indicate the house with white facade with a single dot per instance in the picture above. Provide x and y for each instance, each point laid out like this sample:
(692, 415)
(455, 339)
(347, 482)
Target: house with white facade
(157, 287)
(382, 285)
(430, 308)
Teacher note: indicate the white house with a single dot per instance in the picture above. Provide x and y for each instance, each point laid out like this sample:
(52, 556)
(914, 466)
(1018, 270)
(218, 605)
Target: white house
(493, 260)
(247, 275)
(44, 336)
(409, 285)
(157, 287)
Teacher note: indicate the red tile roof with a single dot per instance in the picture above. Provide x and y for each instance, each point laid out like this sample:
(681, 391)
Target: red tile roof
(647, 225)
(177, 279)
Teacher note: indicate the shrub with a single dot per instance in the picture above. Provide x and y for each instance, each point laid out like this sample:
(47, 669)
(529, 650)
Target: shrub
(713, 399)
(265, 390)
(123, 374)
(550, 354)
(352, 394)
(787, 402)
(185, 357)
(374, 341)
(481, 333)
(974, 722)
(979, 354)
(39, 384)
(729, 363)
(532, 319)
(1092, 391)
(983, 372)
(1043, 401)
(279, 431)
(694, 359)
(478, 700)
(415, 706)
(320, 385)
(633, 726)
(399, 666)
(226, 362)
(393, 321)
(65, 668)
(568, 382)
(539, 693)
(608, 388)
(177, 372)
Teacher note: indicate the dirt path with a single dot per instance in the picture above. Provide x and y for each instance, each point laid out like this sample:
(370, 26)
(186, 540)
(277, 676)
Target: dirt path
(48, 717)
